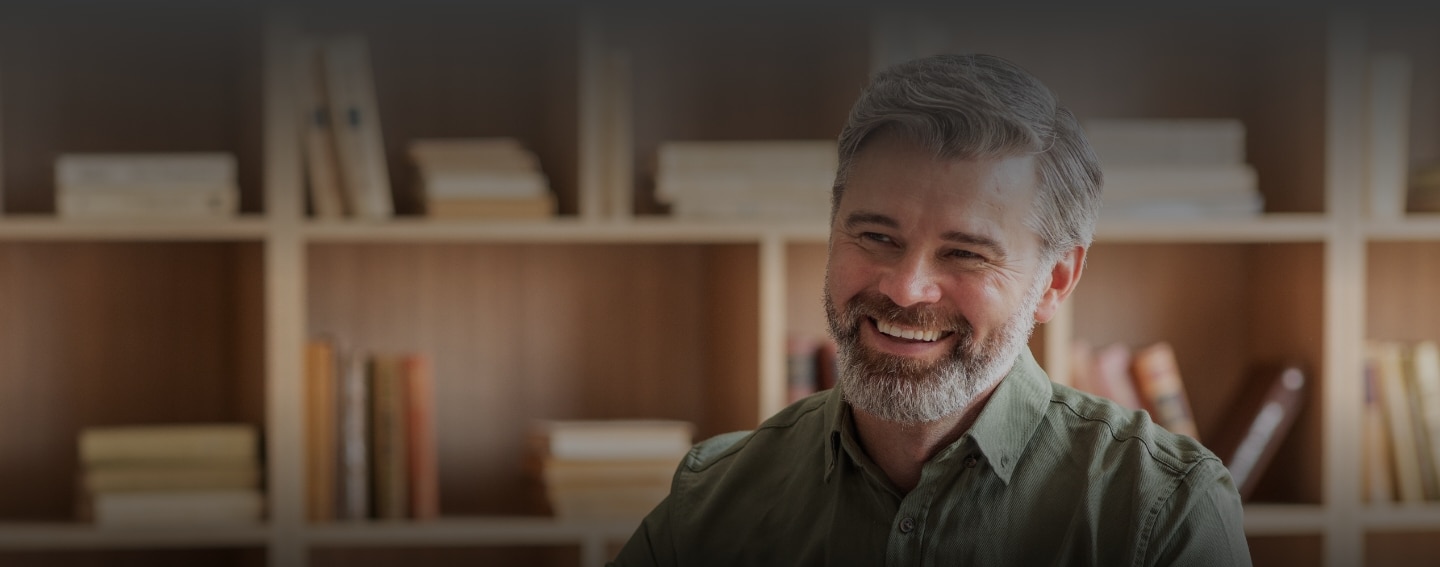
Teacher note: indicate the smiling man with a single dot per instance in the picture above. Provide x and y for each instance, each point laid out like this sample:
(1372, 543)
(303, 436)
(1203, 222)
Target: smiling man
(963, 208)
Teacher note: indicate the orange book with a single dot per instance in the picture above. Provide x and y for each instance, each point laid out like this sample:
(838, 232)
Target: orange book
(423, 457)
(321, 452)
(1157, 377)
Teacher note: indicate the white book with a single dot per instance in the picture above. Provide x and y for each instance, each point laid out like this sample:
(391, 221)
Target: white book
(178, 508)
(779, 205)
(129, 169)
(1388, 135)
(485, 184)
(1394, 397)
(1425, 381)
(1187, 142)
(1230, 207)
(355, 118)
(745, 154)
(198, 169)
(748, 184)
(1179, 182)
(146, 204)
(614, 439)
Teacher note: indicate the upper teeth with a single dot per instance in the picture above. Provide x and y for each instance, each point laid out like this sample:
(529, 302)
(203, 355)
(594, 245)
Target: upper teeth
(912, 334)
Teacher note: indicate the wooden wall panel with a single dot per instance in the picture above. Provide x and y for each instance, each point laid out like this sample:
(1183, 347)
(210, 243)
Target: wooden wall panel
(465, 70)
(111, 334)
(102, 77)
(534, 331)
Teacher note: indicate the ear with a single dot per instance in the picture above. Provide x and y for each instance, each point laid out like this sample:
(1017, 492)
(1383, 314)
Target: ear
(1063, 277)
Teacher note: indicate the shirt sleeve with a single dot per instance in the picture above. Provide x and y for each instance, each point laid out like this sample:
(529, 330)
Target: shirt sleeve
(1201, 523)
(652, 543)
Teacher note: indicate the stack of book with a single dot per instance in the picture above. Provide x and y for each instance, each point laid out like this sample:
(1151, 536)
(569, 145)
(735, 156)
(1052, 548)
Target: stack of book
(789, 179)
(370, 431)
(146, 186)
(1402, 421)
(615, 470)
(484, 178)
(1176, 168)
(171, 475)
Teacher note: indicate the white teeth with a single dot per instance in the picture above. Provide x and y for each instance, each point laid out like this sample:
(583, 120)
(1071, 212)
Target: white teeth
(910, 334)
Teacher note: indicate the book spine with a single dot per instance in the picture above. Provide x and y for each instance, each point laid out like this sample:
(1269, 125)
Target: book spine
(355, 439)
(220, 443)
(1157, 375)
(390, 485)
(1379, 458)
(1264, 429)
(320, 430)
(356, 122)
(801, 359)
(146, 204)
(327, 199)
(1394, 399)
(620, 169)
(423, 456)
(1388, 158)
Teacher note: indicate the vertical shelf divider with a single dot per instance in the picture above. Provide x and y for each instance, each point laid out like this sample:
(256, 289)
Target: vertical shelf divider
(772, 324)
(1344, 290)
(284, 296)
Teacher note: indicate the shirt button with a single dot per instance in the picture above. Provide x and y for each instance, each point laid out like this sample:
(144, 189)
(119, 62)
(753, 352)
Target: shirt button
(907, 525)
(971, 461)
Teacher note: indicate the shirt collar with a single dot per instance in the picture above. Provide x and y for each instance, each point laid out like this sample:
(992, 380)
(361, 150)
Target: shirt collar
(1010, 418)
(1002, 431)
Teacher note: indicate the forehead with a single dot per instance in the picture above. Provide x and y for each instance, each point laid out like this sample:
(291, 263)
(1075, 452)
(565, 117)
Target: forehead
(896, 178)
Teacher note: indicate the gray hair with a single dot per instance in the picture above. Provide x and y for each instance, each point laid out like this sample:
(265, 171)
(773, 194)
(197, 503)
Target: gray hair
(966, 106)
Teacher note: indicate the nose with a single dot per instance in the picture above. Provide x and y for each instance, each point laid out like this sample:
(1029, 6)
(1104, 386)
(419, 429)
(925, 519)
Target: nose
(912, 281)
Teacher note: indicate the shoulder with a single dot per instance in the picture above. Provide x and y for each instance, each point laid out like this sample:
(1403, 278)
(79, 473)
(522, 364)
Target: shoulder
(1105, 430)
(793, 429)
(1183, 495)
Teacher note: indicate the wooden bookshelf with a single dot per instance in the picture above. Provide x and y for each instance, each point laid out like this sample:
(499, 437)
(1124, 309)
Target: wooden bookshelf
(579, 317)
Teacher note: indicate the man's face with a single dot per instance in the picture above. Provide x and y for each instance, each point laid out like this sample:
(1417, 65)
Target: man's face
(933, 278)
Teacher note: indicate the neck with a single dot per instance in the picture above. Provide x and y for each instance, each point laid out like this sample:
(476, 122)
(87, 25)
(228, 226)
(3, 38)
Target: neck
(902, 449)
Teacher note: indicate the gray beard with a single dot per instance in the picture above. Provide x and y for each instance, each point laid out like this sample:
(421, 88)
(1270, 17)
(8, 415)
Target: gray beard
(902, 390)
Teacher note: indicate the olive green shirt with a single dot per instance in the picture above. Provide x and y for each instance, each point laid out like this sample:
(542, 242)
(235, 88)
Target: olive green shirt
(1047, 475)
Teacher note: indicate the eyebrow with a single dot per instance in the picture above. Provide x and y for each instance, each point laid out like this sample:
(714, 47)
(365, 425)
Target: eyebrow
(858, 218)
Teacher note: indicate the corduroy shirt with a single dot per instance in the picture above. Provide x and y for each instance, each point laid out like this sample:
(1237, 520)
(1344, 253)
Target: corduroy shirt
(1047, 475)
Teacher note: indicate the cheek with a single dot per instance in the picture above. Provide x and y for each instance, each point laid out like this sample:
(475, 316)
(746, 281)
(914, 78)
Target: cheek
(846, 275)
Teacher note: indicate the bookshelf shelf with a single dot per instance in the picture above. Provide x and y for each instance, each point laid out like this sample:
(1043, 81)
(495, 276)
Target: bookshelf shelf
(1424, 517)
(69, 536)
(470, 531)
(46, 227)
(561, 231)
(1284, 520)
(1412, 227)
(1274, 227)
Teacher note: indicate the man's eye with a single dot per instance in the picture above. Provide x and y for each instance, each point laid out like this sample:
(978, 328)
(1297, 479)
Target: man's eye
(876, 237)
(965, 255)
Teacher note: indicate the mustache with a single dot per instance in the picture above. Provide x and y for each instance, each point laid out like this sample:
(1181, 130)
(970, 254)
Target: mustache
(877, 306)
